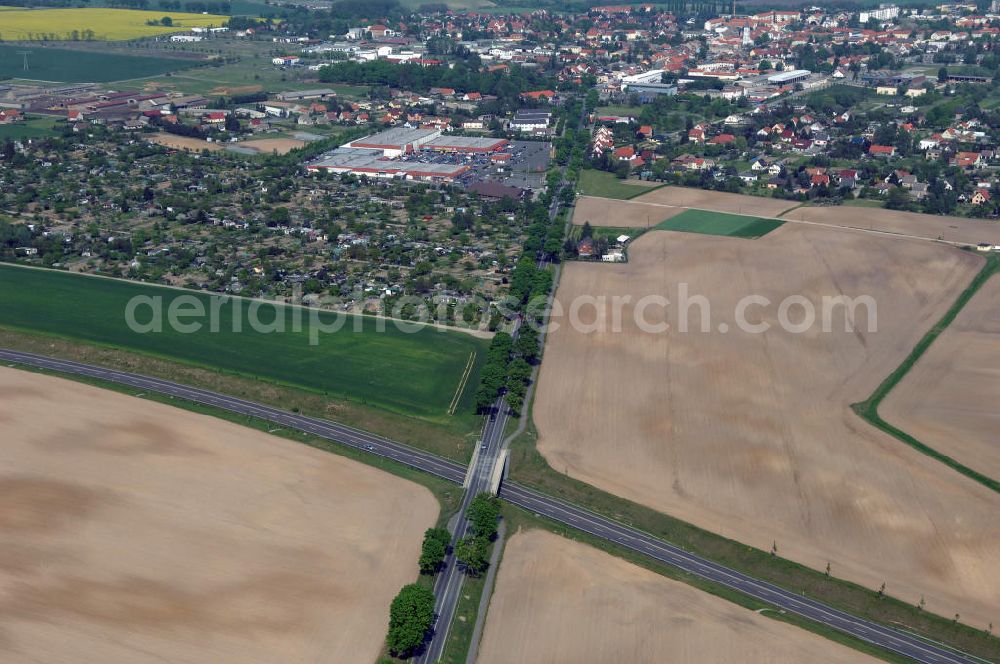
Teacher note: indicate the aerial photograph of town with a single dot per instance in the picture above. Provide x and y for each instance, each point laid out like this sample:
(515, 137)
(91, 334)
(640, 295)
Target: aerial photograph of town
(499, 332)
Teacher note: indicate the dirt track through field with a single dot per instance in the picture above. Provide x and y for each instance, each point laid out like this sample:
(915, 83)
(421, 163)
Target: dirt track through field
(950, 399)
(951, 229)
(666, 202)
(717, 200)
(557, 600)
(751, 435)
(135, 532)
(620, 214)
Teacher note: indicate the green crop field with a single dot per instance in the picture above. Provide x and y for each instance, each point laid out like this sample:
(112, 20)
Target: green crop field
(415, 374)
(32, 127)
(719, 223)
(83, 66)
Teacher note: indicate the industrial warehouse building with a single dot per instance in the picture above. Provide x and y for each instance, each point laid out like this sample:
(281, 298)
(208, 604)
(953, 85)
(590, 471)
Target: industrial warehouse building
(396, 153)
(396, 141)
(371, 163)
(785, 77)
(466, 144)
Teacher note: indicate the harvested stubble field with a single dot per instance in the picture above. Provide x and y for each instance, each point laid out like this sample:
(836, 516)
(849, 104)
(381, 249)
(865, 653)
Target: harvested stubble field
(262, 145)
(650, 209)
(557, 600)
(136, 532)
(752, 435)
(184, 142)
(930, 226)
(269, 145)
(620, 214)
(949, 399)
(716, 200)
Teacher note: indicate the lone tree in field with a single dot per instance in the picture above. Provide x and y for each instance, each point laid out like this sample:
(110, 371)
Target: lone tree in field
(410, 618)
(434, 549)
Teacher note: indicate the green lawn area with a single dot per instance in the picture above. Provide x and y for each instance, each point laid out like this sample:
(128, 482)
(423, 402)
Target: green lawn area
(251, 70)
(863, 202)
(414, 374)
(609, 232)
(83, 66)
(32, 127)
(719, 223)
(601, 183)
(618, 110)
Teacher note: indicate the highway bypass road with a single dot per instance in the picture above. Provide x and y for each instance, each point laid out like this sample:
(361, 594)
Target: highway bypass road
(898, 642)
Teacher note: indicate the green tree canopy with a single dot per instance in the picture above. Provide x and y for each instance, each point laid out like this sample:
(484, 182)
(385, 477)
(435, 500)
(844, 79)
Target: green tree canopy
(410, 617)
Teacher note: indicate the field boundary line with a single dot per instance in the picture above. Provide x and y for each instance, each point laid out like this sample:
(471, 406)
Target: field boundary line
(868, 409)
(473, 332)
(871, 231)
(461, 384)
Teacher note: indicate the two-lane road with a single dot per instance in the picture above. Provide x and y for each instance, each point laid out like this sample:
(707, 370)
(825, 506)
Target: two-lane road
(576, 517)
(340, 433)
(449, 583)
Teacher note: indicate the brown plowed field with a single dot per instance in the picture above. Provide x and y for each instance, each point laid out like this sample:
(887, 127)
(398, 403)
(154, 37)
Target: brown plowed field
(751, 435)
(134, 532)
(557, 600)
(950, 399)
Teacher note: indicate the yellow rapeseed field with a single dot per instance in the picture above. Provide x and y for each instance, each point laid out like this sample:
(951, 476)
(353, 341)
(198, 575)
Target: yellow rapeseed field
(96, 23)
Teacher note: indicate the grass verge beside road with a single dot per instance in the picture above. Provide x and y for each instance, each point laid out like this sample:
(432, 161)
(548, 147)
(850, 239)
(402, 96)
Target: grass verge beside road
(521, 519)
(453, 439)
(868, 409)
(529, 467)
(448, 495)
